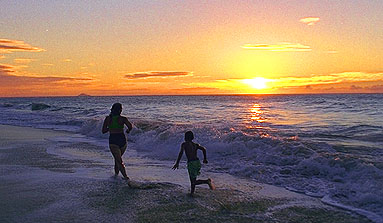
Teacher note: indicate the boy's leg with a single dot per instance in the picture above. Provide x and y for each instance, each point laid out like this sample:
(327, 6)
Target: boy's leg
(208, 182)
(211, 184)
(194, 182)
(192, 185)
(197, 182)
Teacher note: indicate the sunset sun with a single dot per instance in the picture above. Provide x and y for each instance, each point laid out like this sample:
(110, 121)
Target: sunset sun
(257, 83)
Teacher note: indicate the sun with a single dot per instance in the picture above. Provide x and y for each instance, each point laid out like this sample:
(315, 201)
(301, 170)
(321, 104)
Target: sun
(257, 82)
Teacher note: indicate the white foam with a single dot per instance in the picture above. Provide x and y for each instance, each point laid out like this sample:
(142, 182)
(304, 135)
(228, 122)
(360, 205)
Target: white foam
(370, 215)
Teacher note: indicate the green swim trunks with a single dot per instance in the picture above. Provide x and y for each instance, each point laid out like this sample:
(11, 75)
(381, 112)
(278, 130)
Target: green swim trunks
(194, 168)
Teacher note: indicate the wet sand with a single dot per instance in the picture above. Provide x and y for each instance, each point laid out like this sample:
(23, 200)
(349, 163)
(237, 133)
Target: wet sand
(44, 177)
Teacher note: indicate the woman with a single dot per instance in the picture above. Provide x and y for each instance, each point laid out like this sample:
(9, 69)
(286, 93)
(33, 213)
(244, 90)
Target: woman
(114, 124)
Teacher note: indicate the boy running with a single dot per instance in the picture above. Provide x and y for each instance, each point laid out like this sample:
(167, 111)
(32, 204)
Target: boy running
(194, 165)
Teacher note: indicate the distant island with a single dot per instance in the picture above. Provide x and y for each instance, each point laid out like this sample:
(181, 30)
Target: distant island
(83, 95)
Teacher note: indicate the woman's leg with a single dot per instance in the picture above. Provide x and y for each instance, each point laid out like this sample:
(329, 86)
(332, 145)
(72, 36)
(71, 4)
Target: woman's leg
(116, 169)
(116, 152)
(123, 149)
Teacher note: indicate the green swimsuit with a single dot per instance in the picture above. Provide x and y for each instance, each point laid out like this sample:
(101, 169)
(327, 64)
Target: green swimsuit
(117, 138)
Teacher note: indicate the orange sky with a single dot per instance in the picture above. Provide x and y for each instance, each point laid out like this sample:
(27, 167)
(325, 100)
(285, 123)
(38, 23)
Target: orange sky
(54, 48)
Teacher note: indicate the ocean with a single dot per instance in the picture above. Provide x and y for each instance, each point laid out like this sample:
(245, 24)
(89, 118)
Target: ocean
(328, 146)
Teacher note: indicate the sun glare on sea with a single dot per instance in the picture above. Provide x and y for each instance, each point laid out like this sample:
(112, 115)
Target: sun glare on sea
(257, 83)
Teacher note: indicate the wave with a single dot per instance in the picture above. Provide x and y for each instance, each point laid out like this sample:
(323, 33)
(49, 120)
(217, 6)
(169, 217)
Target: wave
(311, 167)
(92, 128)
(316, 169)
(370, 215)
(342, 162)
(39, 106)
(6, 105)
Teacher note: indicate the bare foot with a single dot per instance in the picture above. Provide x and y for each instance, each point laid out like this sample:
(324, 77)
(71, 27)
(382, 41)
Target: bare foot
(211, 184)
(130, 184)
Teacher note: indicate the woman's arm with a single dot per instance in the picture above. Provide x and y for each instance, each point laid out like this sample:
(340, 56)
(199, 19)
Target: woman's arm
(128, 124)
(105, 127)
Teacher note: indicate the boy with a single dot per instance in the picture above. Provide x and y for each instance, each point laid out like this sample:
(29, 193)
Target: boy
(194, 165)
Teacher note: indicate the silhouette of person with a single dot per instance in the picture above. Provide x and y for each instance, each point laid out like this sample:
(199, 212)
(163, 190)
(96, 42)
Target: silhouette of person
(193, 164)
(114, 124)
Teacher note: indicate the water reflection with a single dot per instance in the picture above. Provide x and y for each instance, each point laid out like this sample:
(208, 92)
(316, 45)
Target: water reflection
(256, 117)
(256, 113)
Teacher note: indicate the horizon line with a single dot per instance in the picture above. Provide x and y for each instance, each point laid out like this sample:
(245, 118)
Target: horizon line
(224, 94)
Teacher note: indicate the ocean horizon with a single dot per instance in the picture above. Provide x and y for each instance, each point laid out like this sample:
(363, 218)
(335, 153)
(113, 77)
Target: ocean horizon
(223, 94)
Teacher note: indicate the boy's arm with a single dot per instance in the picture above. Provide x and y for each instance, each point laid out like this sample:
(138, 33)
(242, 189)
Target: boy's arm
(179, 158)
(204, 153)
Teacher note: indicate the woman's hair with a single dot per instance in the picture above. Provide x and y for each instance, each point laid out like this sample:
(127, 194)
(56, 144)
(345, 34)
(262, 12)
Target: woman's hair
(116, 109)
(189, 136)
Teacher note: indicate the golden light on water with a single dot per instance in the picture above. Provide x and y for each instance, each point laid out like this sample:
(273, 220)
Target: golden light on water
(256, 113)
(256, 117)
(257, 83)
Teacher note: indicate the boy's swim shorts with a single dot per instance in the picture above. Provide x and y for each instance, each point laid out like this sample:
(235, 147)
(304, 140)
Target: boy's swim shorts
(194, 168)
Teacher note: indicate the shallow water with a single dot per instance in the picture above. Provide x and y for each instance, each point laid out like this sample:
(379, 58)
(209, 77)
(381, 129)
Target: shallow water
(322, 145)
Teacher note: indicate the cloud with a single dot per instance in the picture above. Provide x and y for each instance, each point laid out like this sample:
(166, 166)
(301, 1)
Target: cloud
(355, 87)
(8, 79)
(23, 60)
(163, 74)
(335, 78)
(9, 46)
(281, 47)
(309, 20)
(6, 68)
(46, 64)
(377, 88)
(2, 56)
(195, 90)
(67, 60)
(320, 83)
(344, 82)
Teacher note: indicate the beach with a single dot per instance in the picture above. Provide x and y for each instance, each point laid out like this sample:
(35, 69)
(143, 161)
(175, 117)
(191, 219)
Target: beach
(284, 99)
(46, 177)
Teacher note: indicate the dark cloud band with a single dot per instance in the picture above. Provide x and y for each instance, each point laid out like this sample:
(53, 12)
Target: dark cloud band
(8, 46)
(149, 74)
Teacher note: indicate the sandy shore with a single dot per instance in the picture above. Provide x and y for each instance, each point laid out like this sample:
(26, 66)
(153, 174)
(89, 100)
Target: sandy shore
(47, 177)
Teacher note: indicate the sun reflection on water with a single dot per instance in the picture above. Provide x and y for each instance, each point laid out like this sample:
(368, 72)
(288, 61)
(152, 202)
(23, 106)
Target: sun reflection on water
(256, 113)
(256, 117)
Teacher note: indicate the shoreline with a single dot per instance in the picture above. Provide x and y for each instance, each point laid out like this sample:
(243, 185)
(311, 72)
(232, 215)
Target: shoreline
(33, 164)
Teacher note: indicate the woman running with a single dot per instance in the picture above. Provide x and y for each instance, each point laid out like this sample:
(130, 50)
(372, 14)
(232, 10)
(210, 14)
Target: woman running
(114, 124)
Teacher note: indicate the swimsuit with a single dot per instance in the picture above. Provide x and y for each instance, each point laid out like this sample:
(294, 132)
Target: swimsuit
(117, 138)
(194, 168)
(114, 124)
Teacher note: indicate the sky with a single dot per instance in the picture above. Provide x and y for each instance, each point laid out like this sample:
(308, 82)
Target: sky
(161, 47)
